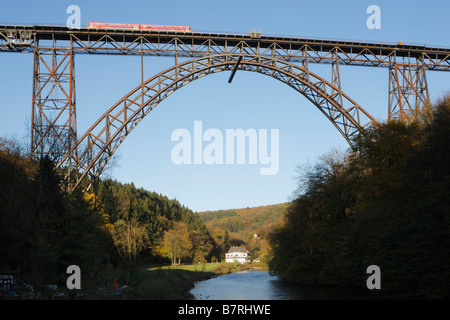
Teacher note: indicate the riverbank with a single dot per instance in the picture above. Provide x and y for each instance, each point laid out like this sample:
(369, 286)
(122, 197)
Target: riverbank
(173, 282)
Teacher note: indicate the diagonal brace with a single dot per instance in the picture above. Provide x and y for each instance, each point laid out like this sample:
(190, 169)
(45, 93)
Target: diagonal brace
(234, 69)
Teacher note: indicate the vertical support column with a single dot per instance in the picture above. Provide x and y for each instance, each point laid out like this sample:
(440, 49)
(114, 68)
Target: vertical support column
(336, 79)
(142, 70)
(408, 89)
(53, 124)
(176, 58)
(305, 65)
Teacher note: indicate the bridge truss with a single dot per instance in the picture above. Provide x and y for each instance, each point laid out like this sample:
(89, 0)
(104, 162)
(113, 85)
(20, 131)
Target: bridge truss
(286, 59)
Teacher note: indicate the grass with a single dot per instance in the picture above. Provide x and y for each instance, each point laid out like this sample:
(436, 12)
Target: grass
(167, 284)
(154, 283)
(199, 267)
(175, 282)
(162, 282)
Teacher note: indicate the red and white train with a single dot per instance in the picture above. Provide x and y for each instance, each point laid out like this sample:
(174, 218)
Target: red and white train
(130, 26)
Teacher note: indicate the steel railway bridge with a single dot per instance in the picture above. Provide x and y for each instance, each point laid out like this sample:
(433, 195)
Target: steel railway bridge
(54, 129)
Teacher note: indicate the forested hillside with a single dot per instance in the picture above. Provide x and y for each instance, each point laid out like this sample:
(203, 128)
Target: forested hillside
(386, 203)
(44, 229)
(236, 227)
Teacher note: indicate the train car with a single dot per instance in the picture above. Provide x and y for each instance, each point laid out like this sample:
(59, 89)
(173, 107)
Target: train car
(104, 25)
(165, 28)
(145, 27)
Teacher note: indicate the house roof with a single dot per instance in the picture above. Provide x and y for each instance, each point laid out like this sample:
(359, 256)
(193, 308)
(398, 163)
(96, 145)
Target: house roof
(237, 249)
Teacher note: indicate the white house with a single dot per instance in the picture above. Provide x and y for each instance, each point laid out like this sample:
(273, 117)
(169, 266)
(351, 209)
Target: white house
(237, 254)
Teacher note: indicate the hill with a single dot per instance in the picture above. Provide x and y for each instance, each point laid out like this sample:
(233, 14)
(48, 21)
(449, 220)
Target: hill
(236, 227)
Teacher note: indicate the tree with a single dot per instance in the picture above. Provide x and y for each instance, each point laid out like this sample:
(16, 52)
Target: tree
(177, 243)
(201, 246)
(130, 238)
(386, 205)
(49, 221)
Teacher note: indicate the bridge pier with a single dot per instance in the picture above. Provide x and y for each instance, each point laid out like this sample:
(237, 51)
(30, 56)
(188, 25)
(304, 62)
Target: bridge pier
(53, 123)
(408, 90)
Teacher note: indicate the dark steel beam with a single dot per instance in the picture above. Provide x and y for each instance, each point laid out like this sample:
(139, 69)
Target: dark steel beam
(234, 69)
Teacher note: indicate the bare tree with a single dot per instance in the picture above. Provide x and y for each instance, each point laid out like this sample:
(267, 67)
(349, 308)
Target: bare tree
(130, 238)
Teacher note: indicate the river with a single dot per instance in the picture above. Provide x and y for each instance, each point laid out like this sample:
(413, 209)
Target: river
(260, 285)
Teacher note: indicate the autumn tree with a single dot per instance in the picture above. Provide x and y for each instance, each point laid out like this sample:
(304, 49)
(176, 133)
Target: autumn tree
(130, 238)
(201, 246)
(386, 204)
(177, 243)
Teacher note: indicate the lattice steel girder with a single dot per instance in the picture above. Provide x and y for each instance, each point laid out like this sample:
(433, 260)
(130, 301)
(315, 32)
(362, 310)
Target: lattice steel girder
(198, 44)
(408, 91)
(100, 142)
(53, 124)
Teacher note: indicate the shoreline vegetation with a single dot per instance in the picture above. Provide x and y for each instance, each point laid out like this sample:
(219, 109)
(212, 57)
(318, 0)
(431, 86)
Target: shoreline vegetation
(385, 204)
(175, 282)
(167, 282)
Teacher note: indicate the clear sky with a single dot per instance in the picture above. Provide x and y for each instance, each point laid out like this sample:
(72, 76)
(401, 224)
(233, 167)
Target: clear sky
(252, 101)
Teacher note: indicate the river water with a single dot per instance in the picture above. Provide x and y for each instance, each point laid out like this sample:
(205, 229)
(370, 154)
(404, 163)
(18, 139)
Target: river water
(260, 285)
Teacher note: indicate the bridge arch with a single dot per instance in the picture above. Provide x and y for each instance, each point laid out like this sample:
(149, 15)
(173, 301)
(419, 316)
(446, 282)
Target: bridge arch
(92, 151)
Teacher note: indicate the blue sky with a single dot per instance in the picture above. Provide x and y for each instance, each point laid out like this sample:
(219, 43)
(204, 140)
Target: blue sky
(251, 101)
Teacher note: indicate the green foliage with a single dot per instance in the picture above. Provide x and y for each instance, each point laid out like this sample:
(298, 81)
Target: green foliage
(158, 214)
(386, 203)
(44, 229)
(237, 228)
(217, 215)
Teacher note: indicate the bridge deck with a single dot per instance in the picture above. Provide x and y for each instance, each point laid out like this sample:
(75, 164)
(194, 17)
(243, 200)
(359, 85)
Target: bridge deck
(100, 41)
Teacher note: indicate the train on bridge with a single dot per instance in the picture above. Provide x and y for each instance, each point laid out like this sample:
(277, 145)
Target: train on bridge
(149, 27)
(131, 26)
